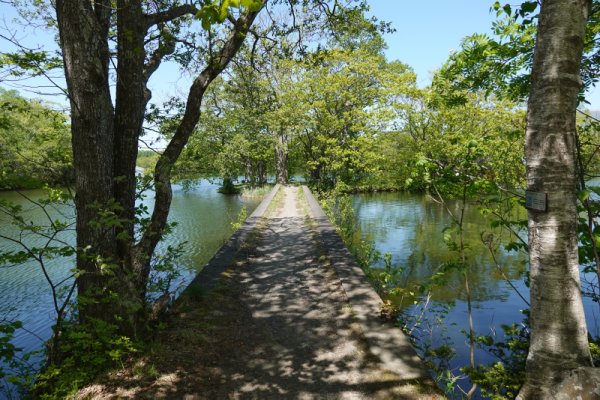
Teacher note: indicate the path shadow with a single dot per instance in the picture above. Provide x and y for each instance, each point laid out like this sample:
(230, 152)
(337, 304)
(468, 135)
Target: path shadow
(275, 325)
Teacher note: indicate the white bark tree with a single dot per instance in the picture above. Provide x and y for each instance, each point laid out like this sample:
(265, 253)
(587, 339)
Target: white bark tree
(559, 336)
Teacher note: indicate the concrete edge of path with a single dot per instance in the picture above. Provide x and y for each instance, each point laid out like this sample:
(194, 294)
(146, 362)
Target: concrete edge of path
(387, 342)
(210, 274)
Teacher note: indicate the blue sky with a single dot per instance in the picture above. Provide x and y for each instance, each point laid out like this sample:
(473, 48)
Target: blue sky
(426, 32)
(424, 39)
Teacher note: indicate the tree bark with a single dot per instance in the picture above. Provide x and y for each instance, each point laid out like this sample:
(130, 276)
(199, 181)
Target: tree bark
(281, 160)
(130, 105)
(132, 97)
(84, 42)
(558, 329)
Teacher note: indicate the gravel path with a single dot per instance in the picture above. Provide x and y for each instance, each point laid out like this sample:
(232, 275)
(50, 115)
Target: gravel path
(310, 346)
(278, 327)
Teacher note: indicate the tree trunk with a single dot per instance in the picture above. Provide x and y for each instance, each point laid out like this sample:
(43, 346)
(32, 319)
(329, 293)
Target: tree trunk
(114, 269)
(130, 110)
(558, 328)
(249, 175)
(281, 160)
(84, 43)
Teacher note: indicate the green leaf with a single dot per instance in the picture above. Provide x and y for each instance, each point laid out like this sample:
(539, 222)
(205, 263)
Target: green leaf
(583, 195)
(223, 11)
(206, 24)
(252, 5)
(528, 7)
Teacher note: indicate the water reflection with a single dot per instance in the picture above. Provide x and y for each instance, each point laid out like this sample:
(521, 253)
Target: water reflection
(410, 227)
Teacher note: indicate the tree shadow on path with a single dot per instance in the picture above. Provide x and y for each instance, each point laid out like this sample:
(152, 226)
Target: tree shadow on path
(277, 325)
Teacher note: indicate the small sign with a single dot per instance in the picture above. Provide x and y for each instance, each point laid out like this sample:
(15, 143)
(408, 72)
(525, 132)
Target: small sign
(536, 201)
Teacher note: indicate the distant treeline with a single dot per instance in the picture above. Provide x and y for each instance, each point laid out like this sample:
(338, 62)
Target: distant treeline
(35, 144)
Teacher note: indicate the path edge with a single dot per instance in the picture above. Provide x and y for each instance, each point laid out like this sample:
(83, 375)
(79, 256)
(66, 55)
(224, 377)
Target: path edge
(387, 342)
(211, 273)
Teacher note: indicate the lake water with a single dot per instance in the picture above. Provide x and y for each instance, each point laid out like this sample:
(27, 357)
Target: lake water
(410, 228)
(204, 219)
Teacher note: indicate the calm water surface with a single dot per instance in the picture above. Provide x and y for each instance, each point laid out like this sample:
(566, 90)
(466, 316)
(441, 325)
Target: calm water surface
(410, 227)
(204, 219)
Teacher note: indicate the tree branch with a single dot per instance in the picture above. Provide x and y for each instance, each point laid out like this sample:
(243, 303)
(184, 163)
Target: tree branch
(103, 10)
(162, 171)
(169, 15)
(165, 47)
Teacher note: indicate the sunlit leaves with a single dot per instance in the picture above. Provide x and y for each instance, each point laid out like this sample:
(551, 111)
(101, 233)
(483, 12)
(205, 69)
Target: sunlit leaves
(8, 350)
(34, 144)
(216, 11)
(29, 63)
(478, 143)
(343, 100)
(501, 63)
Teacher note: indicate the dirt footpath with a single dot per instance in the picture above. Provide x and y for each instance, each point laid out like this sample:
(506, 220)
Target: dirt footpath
(277, 325)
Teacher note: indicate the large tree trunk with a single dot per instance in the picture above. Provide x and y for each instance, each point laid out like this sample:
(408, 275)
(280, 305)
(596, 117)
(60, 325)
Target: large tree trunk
(558, 329)
(105, 148)
(114, 269)
(84, 43)
(131, 100)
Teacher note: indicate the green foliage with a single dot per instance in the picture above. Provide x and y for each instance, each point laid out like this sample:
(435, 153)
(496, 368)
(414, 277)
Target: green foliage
(164, 270)
(588, 196)
(34, 144)
(342, 100)
(17, 371)
(77, 352)
(217, 11)
(9, 358)
(389, 280)
(86, 351)
(478, 144)
(501, 64)
(354, 31)
(233, 139)
(338, 208)
(7, 349)
(29, 63)
(147, 159)
(324, 111)
(504, 378)
(241, 218)
(589, 228)
(228, 187)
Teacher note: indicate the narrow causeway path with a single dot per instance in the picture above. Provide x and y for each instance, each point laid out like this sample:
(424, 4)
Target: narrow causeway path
(277, 321)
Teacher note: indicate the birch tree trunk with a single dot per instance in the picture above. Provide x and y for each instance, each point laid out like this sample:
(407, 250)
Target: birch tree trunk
(558, 329)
